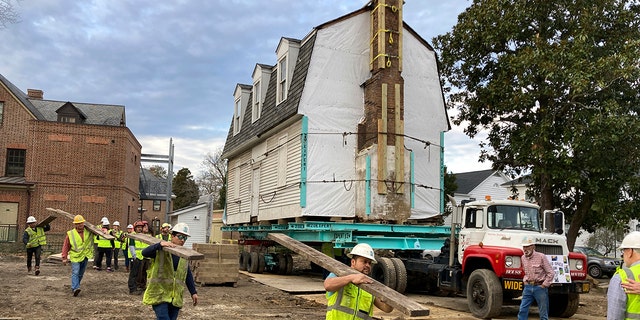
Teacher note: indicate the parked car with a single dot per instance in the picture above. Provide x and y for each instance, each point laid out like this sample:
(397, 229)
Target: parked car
(597, 264)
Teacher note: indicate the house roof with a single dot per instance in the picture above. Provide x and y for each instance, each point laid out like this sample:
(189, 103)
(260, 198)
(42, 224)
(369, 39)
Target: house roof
(45, 110)
(524, 180)
(152, 187)
(467, 181)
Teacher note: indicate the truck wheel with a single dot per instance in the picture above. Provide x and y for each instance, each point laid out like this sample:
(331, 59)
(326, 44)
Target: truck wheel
(484, 294)
(261, 263)
(289, 259)
(244, 260)
(401, 275)
(253, 263)
(384, 272)
(563, 305)
(282, 263)
(595, 271)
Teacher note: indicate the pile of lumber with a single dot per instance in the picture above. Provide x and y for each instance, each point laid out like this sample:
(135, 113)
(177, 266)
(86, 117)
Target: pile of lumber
(220, 264)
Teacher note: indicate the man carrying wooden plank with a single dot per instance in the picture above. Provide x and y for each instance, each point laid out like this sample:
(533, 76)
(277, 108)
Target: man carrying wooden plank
(345, 299)
(168, 275)
(78, 247)
(34, 238)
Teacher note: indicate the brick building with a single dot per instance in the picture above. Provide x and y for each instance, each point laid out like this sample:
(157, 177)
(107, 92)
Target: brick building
(78, 157)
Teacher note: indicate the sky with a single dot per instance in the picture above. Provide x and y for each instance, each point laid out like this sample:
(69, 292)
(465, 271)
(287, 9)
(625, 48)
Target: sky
(174, 64)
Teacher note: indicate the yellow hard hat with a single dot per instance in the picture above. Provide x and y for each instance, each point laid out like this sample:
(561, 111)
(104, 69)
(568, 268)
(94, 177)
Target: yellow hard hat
(166, 225)
(78, 219)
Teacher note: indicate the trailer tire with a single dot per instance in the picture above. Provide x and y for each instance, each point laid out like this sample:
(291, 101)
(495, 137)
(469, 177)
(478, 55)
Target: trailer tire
(244, 260)
(401, 275)
(253, 263)
(289, 259)
(385, 272)
(484, 294)
(282, 263)
(563, 305)
(261, 263)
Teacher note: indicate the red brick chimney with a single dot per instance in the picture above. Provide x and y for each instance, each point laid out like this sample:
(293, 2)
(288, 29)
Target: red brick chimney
(35, 94)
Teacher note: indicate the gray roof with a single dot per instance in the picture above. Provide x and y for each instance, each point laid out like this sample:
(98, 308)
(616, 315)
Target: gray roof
(467, 181)
(45, 110)
(524, 180)
(151, 187)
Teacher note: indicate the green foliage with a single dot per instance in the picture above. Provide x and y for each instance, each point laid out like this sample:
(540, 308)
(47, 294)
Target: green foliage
(158, 171)
(556, 86)
(185, 189)
(450, 187)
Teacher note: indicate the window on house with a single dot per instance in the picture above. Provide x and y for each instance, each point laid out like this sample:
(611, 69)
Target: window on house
(236, 117)
(257, 109)
(282, 161)
(67, 119)
(282, 79)
(15, 162)
(1, 111)
(156, 205)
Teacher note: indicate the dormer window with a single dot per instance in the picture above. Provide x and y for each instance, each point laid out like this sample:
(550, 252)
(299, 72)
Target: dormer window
(256, 110)
(237, 111)
(68, 113)
(282, 79)
(240, 99)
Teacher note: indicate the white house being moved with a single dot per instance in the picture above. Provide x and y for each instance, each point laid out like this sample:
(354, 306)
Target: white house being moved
(347, 125)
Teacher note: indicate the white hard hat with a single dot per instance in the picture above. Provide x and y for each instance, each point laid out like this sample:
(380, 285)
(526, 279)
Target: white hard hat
(105, 221)
(631, 241)
(31, 219)
(129, 226)
(528, 241)
(116, 223)
(181, 228)
(363, 250)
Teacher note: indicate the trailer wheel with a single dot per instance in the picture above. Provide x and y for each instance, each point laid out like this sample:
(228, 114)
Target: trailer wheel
(282, 263)
(563, 305)
(289, 264)
(261, 263)
(244, 260)
(384, 272)
(401, 275)
(484, 294)
(253, 263)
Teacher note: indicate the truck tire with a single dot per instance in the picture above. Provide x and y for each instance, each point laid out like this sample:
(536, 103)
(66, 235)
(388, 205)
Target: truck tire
(244, 260)
(253, 263)
(563, 305)
(384, 272)
(289, 259)
(595, 271)
(484, 294)
(401, 275)
(261, 263)
(282, 263)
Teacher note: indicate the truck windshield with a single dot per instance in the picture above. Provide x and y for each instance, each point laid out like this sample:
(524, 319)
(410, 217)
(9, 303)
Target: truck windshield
(513, 217)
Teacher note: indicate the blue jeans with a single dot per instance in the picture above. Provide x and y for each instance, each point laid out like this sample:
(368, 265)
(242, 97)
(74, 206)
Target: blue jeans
(540, 295)
(77, 272)
(166, 311)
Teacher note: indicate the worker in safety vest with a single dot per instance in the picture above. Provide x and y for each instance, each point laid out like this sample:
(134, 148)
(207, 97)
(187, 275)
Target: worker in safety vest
(168, 275)
(105, 247)
(138, 264)
(34, 238)
(164, 232)
(125, 246)
(623, 298)
(77, 248)
(345, 299)
(116, 232)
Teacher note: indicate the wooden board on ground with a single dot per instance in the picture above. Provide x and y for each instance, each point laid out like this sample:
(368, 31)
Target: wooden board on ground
(46, 221)
(179, 251)
(393, 298)
(87, 224)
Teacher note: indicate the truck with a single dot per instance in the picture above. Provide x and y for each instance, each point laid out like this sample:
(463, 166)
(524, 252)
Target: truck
(480, 253)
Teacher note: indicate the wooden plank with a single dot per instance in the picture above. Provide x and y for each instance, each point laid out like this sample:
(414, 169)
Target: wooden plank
(87, 224)
(393, 298)
(180, 251)
(46, 221)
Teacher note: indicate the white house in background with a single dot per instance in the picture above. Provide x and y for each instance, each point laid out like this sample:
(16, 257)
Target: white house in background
(198, 218)
(476, 185)
(518, 188)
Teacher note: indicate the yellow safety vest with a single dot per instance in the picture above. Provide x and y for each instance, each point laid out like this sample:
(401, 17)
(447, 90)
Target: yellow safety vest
(350, 302)
(36, 237)
(633, 300)
(116, 242)
(163, 283)
(159, 236)
(81, 248)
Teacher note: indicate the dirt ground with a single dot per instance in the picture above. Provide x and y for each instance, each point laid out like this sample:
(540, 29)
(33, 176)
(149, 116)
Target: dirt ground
(106, 296)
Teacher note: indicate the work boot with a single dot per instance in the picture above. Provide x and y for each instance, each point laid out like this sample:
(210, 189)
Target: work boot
(109, 269)
(37, 270)
(76, 292)
(28, 270)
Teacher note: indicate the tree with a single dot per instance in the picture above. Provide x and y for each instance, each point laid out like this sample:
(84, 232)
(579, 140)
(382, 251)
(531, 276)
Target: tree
(185, 189)
(212, 180)
(450, 187)
(158, 171)
(607, 239)
(8, 13)
(556, 85)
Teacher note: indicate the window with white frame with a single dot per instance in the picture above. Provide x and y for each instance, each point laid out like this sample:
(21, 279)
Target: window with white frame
(257, 102)
(282, 161)
(282, 79)
(1, 111)
(236, 116)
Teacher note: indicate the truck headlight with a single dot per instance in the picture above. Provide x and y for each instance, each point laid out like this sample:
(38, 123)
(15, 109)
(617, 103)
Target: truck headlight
(579, 265)
(508, 262)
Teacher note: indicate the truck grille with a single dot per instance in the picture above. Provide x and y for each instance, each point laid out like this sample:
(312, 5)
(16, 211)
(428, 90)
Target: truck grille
(549, 250)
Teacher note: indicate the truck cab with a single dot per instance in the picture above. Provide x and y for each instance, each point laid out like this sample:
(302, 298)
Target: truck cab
(490, 248)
